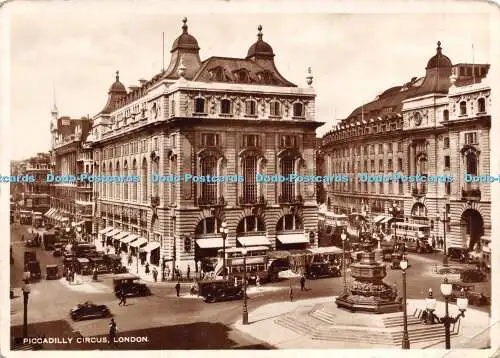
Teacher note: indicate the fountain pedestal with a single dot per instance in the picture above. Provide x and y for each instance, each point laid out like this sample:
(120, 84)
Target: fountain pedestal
(368, 292)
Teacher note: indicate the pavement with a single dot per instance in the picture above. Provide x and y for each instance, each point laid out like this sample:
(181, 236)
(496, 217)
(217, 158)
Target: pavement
(473, 332)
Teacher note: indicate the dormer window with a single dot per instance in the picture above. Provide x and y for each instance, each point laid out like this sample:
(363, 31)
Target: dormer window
(481, 105)
(251, 107)
(199, 105)
(225, 106)
(275, 109)
(242, 76)
(217, 74)
(463, 108)
(298, 109)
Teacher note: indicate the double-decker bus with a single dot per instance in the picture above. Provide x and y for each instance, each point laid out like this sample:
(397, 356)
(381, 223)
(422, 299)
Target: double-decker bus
(25, 217)
(256, 263)
(414, 236)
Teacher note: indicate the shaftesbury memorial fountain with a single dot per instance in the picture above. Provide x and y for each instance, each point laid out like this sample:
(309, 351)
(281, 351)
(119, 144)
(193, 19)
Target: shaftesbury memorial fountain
(368, 292)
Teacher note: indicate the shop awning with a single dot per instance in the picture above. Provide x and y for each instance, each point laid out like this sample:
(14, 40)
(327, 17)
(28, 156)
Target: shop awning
(121, 235)
(105, 230)
(129, 239)
(80, 223)
(386, 220)
(212, 243)
(326, 250)
(49, 212)
(379, 218)
(112, 233)
(153, 245)
(139, 242)
(293, 239)
(253, 241)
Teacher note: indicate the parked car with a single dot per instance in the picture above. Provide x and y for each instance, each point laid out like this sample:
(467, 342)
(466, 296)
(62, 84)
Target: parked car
(89, 310)
(52, 272)
(474, 297)
(472, 275)
(275, 268)
(458, 254)
(127, 283)
(33, 267)
(219, 290)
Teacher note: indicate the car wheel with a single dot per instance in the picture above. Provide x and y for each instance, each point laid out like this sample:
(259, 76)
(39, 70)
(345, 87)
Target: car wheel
(210, 299)
(76, 317)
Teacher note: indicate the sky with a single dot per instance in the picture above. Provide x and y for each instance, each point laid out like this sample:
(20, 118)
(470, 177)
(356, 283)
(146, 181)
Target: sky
(353, 56)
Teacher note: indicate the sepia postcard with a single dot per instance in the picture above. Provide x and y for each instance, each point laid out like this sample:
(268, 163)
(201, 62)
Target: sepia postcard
(256, 176)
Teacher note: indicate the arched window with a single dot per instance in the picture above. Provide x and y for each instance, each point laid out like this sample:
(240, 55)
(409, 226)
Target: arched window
(289, 222)
(446, 115)
(287, 187)
(298, 109)
(199, 105)
(155, 186)
(144, 181)
(173, 186)
(471, 163)
(103, 185)
(125, 183)
(134, 172)
(419, 209)
(225, 106)
(249, 164)
(242, 76)
(275, 109)
(481, 105)
(117, 185)
(463, 108)
(209, 225)
(251, 107)
(209, 190)
(249, 224)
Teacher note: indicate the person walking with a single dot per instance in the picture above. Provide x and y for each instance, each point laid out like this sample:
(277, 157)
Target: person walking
(257, 281)
(123, 298)
(178, 288)
(291, 293)
(155, 274)
(302, 283)
(112, 331)
(129, 261)
(146, 270)
(188, 272)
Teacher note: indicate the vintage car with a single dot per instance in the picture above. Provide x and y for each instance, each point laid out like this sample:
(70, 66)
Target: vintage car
(33, 267)
(396, 258)
(219, 290)
(57, 252)
(88, 310)
(29, 256)
(275, 268)
(458, 254)
(127, 283)
(52, 272)
(319, 270)
(472, 275)
(114, 263)
(474, 297)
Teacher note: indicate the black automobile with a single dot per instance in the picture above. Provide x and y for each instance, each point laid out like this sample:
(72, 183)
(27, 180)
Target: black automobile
(219, 290)
(127, 283)
(89, 310)
(275, 268)
(57, 252)
(320, 269)
(472, 275)
(458, 254)
(52, 272)
(474, 297)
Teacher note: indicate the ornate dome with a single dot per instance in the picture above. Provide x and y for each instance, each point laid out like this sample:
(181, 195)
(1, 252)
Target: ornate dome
(260, 48)
(117, 86)
(185, 41)
(439, 60)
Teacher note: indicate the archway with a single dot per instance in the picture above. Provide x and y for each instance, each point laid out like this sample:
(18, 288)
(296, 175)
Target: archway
(471, 227)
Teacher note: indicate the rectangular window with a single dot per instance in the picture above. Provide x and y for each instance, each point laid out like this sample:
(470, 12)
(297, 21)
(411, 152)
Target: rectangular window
(447, 188)
(389, 148)
(446, 162)
(155, 143)
(389, 165)
(210, 139)
(250, 140)
(251, 108)
(381, 165)
(381, 188)
(275, 109)
(446, 142)
(380, 148)
(400, 164)
(366, 166)
(372, 165)
(400, 147)
(372, 149)
(389, 187)
(289, 141)
(400, 187)
(471, 138)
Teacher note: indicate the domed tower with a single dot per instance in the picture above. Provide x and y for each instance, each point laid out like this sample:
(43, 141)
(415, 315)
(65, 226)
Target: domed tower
(437, 74)
(116, 92)
(260, 50)
(185, 48)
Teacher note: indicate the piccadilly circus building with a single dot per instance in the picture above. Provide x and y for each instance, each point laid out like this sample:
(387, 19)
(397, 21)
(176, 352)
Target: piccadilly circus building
(436, 125)
(224, 117)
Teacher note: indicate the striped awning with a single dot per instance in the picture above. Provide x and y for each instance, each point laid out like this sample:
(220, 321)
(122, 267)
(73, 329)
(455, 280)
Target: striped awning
(211, 243)
(139, 242)
(293, 239)
(152, 245)
(49, 212)
(105, 230)
(128, 239)
(121, 235)
(253, 241)
(113, 233)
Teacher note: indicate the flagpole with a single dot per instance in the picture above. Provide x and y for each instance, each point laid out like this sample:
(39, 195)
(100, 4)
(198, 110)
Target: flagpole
(473, 67)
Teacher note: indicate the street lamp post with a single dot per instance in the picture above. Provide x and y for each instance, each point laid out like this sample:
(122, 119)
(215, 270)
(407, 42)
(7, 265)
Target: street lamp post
(26, 293)
(462, 303)
(224, 230)
(406, 341)
(245, 307)
(343, 236)
(444, 219)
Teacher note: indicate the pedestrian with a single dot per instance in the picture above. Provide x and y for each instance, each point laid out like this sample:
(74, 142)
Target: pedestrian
(167, 273)
(257, 281)
(291, 293)
(112, 331)
(155, 274)
(235, 281)
(303, 283)
(123, 298)
(95, 274)
(178, 273)
(22, 237)
(188, 273)
(178, 288)
(129, 260)
(146, 270)
(433, 244)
